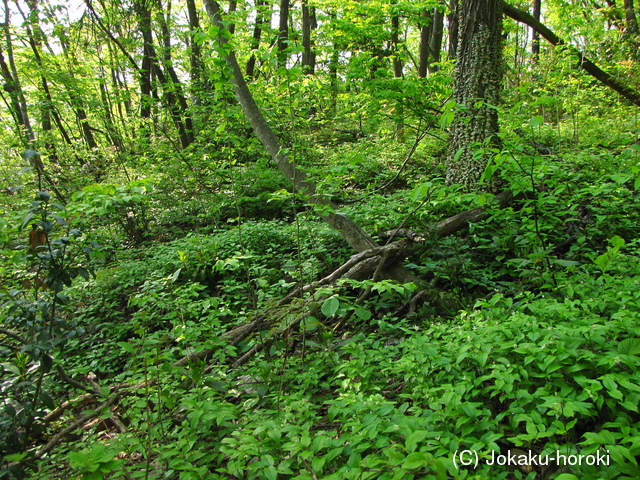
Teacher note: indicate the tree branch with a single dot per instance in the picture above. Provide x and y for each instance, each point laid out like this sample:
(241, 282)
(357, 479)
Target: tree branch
(584, 63)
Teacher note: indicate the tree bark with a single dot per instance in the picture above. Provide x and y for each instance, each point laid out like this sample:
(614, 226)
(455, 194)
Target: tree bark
(535, 40)
(309, 24)
(435, 40)
(261, 5)
(425, 37)
(349, 230)
(397, 71)
(632, 21)
(283, 33)
(145, 72)
(478, 83)
(196, 63)
(453, 28)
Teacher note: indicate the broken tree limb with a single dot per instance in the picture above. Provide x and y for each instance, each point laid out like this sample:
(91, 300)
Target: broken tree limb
(584, 63)
(453, 224)
(350, 231)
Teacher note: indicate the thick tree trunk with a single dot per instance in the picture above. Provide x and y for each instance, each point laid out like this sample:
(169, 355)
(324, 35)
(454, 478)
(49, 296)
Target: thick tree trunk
(349, 230)
(477, 88)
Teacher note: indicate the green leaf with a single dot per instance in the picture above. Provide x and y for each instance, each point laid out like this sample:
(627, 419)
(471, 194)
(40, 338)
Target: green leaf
(330, 306)
(127, 347)
(629, 346)
(415, 460)
(617, 242)
(16, 457)
(26, 220)
(270, 473)
(536, 121)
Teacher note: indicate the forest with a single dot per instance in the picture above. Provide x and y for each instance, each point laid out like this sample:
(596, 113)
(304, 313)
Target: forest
(320, 239)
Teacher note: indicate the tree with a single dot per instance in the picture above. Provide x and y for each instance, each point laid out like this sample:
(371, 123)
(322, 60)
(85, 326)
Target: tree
(478, 81)
(283, 33)
(309, 23)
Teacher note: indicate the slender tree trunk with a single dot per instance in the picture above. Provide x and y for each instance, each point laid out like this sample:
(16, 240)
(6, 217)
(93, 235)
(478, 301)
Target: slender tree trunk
(630, 13)
(435, 42)
(535, 40)
(195, 58)
(283, 33)
(172, 86)
(261, 21)
(425, 37)
(233, 5)
(114, 135)
(478, 83)
(146, 86)
(334, 62)
(309, 24)
(397, 71)
(12, 83)
(453, 28)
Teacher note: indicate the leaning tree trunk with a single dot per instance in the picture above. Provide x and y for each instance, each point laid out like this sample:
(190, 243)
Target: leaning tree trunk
(348, 229)
(477, 90)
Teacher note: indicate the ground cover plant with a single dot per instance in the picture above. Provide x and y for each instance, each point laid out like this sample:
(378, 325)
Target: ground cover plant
(327, 257)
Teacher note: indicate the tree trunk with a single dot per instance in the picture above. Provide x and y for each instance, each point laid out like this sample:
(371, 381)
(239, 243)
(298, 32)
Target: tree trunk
(172, 86)
(632, 22)
(435, 41)
(453, 28)
(196, 63)
(535, 40)
(478, 82)
(283, 33)
(309, 24)
(334, 61)
(397, 72)
(146, 87)
(425, 37)
(347, 228)
(261, 5)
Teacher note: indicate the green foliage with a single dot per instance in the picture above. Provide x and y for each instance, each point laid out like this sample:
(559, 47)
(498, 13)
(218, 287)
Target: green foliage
(521, 332)
(37, 316)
